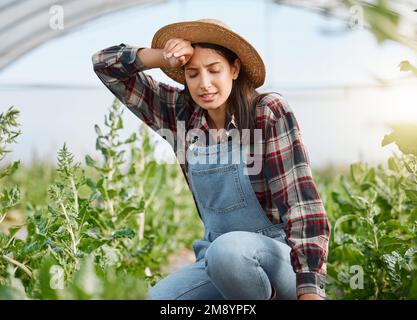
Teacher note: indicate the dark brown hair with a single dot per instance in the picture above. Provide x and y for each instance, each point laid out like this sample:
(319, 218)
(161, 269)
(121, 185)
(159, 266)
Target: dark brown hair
(243, 97)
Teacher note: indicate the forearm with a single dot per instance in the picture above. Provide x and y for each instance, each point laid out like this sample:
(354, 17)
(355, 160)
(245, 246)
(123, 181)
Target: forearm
(152, 58)
(121, 67)
(117, 63)
(123, 61)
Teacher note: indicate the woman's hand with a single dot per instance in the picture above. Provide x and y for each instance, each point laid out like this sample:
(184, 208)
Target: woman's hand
(310, 296)
(177, 52)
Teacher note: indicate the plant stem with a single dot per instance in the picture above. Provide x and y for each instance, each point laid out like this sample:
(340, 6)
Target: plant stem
(74, 190)
(141, 221)
(18, 264)
(74, 243)
(76, 206)
(3, 217)
(110, 177)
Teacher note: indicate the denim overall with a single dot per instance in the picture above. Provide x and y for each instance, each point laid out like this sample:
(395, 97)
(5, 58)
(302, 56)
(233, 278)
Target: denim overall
(242, 253)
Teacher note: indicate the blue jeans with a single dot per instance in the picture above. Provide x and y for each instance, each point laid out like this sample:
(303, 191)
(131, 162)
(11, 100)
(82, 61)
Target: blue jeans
(237, 265)
(242, 255)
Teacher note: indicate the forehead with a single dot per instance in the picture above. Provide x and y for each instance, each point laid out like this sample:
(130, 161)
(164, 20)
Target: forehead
(203, 57)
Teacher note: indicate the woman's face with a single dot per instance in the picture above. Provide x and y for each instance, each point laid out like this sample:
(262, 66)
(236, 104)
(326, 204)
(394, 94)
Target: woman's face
(208, 72)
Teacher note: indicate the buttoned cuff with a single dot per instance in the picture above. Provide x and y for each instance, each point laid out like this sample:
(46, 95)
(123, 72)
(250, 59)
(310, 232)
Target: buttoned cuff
(130, 59)
(311, 282)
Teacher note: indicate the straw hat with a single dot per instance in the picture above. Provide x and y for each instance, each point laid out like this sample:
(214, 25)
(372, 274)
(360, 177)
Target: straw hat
(216, 32)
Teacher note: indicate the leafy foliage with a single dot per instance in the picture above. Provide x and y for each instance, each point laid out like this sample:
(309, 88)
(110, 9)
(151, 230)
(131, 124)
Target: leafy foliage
(8, 134)
(100, 235)
(374, 214)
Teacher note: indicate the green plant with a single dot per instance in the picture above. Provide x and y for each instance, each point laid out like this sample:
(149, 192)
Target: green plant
(8, 134)
(374, 214)
(105, 224)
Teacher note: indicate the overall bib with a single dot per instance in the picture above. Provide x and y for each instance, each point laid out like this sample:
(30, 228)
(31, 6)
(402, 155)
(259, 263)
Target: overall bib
(242, 253)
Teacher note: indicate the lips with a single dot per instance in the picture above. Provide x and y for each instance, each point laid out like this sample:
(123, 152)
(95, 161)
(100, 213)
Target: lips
(207, 96)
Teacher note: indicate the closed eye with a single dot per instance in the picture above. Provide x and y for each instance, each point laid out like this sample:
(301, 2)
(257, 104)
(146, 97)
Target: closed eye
(193, 76)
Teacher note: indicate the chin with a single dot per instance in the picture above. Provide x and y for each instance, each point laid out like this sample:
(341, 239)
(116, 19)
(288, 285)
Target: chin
(209, 106)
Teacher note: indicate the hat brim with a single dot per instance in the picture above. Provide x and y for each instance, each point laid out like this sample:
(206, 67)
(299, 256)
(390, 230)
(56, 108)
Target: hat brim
(195, 31)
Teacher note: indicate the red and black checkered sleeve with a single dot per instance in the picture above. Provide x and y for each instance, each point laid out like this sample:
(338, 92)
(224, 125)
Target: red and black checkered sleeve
(121, 71)
(287, 170)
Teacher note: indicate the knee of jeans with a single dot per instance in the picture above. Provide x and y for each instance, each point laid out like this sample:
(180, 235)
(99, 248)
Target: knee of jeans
(158, 294)
(223, 252)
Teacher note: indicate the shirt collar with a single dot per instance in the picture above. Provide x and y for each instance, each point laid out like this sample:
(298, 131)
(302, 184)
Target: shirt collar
(200, 120)
(231, 122)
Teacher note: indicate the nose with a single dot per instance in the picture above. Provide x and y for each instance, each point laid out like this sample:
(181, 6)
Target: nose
(205, 82)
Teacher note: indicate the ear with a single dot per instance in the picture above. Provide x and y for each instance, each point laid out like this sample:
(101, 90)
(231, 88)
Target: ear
(236, 68)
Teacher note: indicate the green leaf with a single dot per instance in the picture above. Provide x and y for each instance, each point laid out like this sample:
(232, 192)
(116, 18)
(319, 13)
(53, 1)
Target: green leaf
(10, 169)
(382, 20)
(86, 284)
(388, 138)
(101, 145)
(409, 169)
(90, 242)
(126, 211)
(123, 233)
(410, 253)
(89, 161)
(53, 211)
(110, 257)
(349, 253)
(388, 241)
(14, 229)
(9, 199)
(392, 261)
(91, 183)
(345, 206)
(101, 189)
(112, 193)
(47, 279)
(392, 165)
(357, 172)
(405, 137)
(344, 219)
(405, 65)
(119, 123)
(366, 186)
(98, 130)
(390, 225)
(411, 194)
(131, 139)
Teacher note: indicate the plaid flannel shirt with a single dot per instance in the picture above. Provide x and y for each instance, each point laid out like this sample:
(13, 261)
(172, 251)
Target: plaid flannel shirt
(284, 188)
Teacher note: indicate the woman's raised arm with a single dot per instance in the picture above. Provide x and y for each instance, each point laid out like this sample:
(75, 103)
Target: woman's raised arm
(121, 67)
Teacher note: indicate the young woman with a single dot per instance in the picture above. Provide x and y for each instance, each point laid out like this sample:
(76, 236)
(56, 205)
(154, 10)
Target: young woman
(266, 233)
